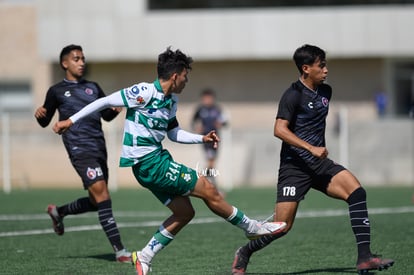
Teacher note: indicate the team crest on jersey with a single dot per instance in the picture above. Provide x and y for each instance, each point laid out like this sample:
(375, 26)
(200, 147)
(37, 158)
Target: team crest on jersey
(91, 173)
(88, 91)
(325, 101)
(186, 177)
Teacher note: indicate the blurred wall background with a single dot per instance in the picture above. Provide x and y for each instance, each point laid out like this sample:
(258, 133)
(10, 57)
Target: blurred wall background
(243, 50)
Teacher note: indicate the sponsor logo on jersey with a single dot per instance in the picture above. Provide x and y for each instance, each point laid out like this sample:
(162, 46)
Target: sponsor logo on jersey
(153, 244)
(325, 101)
(132, 93)
(88, 91)
(140, 100)
(99, 171)
(67, 94)
(134, 90)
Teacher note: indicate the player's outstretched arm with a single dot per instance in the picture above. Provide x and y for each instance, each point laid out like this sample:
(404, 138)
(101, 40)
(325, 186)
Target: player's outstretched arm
(179, 135)
(113, 100)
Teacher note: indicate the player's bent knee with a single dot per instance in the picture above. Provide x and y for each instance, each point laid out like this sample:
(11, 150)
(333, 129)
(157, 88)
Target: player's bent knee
(207, 190)
(212, 190)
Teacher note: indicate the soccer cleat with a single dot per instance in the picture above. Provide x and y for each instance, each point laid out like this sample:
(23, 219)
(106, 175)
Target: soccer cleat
(375, 262)
(265, 228)
(240, 262)
(123, 256)
(141, 266)
(56, 219)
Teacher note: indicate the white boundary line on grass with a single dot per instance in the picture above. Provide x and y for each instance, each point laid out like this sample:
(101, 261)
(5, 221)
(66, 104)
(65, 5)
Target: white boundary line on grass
(302, 214)
(33, 217)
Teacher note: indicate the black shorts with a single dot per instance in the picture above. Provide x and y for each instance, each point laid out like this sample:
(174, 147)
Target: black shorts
(210, 151)
(90, 168)
(296, 178)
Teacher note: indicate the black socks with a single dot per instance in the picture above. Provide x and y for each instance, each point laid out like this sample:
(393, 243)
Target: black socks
(358, 214)
(108, 223)
(81, 205)
(106, 218)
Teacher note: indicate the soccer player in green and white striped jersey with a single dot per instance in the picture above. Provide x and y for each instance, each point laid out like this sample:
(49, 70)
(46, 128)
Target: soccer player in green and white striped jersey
(151, 115)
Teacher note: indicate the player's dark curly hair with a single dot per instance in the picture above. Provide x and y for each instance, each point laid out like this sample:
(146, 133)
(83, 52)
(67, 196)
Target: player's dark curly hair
(66, 50)
(170, 62)
(307, 55)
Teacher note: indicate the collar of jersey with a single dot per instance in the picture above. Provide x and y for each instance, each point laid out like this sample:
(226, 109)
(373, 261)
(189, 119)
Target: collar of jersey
(304, 87)
(157, 85)
(73, 81)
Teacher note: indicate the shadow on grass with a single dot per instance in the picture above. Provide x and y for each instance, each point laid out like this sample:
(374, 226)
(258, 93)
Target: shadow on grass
(104, 257)
(338, 270)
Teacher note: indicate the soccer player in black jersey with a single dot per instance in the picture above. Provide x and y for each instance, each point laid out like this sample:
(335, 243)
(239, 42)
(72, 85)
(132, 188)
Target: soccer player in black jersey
(85, 145)
(208, 117)
(304, 163)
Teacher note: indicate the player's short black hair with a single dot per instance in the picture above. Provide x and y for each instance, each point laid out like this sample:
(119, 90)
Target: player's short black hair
(170, 62)
(66, 50)
(307, 55)
(208, 91)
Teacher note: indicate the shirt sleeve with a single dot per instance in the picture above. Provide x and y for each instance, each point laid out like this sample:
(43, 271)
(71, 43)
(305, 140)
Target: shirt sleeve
(137, 95)
(288, 105)
(113, 100)
(179, 135)
(50, 105)
(107, 114)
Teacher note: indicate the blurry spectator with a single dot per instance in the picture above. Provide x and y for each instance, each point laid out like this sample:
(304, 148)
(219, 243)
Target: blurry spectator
(381, 103)
(208, 117)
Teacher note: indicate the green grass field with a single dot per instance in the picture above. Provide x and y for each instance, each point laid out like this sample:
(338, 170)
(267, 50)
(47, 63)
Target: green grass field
(321, 241)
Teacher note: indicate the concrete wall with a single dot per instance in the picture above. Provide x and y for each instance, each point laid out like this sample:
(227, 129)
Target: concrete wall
(379, 151)
(126, 30)
(20, 62)
(353, 80)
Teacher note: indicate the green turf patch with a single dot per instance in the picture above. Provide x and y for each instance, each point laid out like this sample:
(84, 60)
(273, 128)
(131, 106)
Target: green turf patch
(321, 241)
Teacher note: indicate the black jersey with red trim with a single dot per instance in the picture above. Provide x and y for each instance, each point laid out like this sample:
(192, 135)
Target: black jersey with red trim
(209, 117)
(68, 97)
(306, 111)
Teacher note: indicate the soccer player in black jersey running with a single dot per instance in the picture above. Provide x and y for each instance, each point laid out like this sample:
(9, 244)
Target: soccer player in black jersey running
(85, 145)
(304, 163)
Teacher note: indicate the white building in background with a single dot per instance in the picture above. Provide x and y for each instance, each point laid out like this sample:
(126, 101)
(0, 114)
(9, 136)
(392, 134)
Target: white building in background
(242, 53)
(370, 47)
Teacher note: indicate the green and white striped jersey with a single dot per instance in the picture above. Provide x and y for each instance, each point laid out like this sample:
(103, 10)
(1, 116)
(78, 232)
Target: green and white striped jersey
(149, 113)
